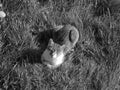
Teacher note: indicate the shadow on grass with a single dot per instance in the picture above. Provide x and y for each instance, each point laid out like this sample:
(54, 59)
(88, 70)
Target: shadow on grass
(31, 55)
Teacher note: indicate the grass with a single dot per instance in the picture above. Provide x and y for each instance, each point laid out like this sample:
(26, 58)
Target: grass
(94, 65)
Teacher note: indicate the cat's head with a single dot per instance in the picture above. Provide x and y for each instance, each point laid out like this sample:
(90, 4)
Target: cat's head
(54, 54)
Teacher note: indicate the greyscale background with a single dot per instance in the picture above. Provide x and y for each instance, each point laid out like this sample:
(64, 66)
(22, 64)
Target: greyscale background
(94, 63)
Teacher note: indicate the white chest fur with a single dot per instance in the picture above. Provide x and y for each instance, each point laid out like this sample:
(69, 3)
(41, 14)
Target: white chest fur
(53, 61)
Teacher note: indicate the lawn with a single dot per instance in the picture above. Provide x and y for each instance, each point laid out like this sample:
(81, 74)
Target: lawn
(94, 64)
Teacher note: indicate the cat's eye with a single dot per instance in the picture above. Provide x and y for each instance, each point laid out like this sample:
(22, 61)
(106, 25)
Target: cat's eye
(51, 49)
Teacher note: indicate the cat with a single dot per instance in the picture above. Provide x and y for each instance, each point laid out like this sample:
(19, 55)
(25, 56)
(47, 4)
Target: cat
(53, 55)
(62, 42)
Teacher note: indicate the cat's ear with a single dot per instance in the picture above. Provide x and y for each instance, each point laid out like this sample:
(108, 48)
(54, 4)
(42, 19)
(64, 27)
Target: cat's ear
(51, 42)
